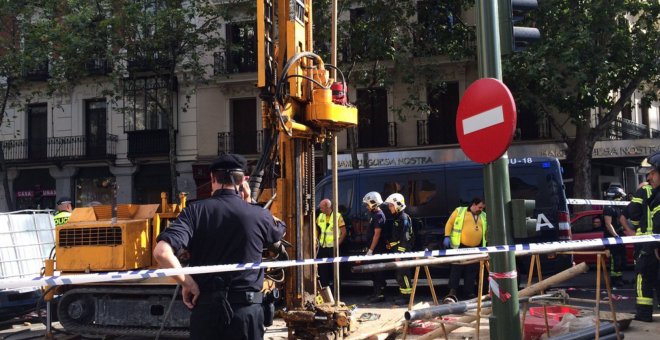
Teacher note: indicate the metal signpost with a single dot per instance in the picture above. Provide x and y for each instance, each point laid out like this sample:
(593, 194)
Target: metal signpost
(485, 125)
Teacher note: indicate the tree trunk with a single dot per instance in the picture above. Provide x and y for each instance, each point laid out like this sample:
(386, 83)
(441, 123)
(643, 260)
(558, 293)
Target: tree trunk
(353, 146)
(581, 151)
(3, 162)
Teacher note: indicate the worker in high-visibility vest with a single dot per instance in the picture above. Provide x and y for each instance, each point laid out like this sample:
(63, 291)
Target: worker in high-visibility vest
(325, 222)
(465, 228)
(64, 208)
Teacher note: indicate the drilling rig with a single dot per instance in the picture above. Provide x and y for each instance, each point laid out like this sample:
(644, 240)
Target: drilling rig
(301, 106)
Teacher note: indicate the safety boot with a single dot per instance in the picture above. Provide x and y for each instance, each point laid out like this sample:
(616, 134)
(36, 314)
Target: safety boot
(644, 313)
(402, 300)
(377, 296)
(451, 297)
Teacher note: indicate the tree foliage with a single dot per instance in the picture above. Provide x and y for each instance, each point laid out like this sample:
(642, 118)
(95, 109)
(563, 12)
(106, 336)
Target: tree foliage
(592, 56)
(172, 38)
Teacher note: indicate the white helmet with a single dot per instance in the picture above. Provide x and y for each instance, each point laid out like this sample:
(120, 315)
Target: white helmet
(398, 201)
(372, 199)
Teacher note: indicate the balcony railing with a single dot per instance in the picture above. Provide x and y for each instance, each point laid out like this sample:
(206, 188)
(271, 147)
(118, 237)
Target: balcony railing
(149, 62)
(623, 128)
(219, 64)
(148, 143)
(227, 142)
(98, 66)
(391, 134)
(38, 73)
(60, 148)
(422, 132)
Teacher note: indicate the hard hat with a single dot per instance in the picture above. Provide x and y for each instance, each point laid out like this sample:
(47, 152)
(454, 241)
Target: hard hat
(372, 199)
(615, 193)
(398, 201)
(649, 164)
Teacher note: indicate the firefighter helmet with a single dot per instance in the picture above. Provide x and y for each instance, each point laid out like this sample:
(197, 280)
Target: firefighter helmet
(398, 201)
(372, 199)
(650, 163)
(615, 193)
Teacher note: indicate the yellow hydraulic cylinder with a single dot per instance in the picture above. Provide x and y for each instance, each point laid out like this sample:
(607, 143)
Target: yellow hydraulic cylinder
(49, 270)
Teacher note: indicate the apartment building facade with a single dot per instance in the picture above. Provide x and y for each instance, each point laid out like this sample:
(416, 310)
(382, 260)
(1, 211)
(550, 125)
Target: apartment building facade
(81, 141)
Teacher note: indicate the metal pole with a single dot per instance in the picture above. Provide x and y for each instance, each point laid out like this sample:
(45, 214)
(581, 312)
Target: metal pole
(505, 320)
(335, 218)
(333, 41)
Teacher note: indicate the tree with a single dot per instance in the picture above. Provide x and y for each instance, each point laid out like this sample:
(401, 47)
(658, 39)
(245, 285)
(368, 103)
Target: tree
(387, 41)
(592, 57)
(171, 39)
(22, 51)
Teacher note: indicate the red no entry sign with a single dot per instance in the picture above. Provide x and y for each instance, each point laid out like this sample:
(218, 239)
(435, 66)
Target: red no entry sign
(486, 120)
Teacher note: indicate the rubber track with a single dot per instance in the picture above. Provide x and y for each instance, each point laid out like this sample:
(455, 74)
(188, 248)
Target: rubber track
(96, 331)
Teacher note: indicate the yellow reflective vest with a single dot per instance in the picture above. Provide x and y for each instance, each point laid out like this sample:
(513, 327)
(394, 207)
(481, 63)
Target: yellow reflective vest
(457, 229)
(327, 236)
(61, 217)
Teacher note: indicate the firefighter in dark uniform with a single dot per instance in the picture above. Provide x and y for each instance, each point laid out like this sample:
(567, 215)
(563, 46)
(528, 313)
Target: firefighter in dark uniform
(222, 229)
(401, 241)
(372, 201)
(64, 208)
(611, 214)
(640, 212)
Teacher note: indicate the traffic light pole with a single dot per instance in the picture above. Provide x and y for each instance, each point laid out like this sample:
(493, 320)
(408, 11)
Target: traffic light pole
(505, 320)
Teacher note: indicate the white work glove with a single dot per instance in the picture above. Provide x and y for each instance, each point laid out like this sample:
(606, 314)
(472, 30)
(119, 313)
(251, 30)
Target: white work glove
(370, 252)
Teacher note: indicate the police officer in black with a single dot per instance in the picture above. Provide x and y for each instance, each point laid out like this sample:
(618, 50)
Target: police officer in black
(222, 229)
(611, 214)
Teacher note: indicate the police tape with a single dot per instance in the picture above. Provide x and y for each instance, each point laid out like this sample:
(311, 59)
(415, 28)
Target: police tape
(154, 273)
(582, 201)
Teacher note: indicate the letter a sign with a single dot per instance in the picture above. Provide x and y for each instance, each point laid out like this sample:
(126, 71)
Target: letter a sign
(486, 120)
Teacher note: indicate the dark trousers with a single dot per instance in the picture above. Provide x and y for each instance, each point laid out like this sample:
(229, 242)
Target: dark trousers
(468, 272)
(247, 323)
(646, 274)
(617, 260)
(325, 270)
(403, 278)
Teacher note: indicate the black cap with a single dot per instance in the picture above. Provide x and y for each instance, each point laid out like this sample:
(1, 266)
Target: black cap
(63, 200)
(229, 162)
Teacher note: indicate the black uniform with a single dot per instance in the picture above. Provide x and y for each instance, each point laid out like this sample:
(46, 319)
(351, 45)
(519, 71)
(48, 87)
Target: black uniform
(401, 242)
(224, 229)
(377, 221)
(617, 251)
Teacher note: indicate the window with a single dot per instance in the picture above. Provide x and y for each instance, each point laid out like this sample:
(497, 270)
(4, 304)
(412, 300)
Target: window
(148, 102)
(434, 25)
(372, 118)
(241, 47)
(443, 100)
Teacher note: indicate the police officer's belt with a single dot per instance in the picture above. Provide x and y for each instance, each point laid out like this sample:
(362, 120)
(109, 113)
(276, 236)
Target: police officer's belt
(238, 297)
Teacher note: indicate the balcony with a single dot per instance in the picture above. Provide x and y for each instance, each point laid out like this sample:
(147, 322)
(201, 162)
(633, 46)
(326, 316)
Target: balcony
(422, 132)
(98, 67)
(70, 148)
(153, 61)
(148, 143)
(227, 143)
(38, 73)
(623, 128)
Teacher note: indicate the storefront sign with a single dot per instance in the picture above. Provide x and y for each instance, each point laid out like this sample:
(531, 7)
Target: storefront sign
(25, 193)
(602, 149)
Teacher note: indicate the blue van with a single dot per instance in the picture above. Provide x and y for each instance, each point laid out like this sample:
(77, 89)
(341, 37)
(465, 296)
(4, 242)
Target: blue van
(433, 191)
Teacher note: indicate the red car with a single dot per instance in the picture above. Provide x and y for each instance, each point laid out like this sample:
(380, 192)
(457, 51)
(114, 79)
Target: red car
(584, 227)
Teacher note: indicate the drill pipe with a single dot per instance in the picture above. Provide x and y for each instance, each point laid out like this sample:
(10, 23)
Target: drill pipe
(459, 308)
(533, 289)
(378, 267)
(429, 261)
